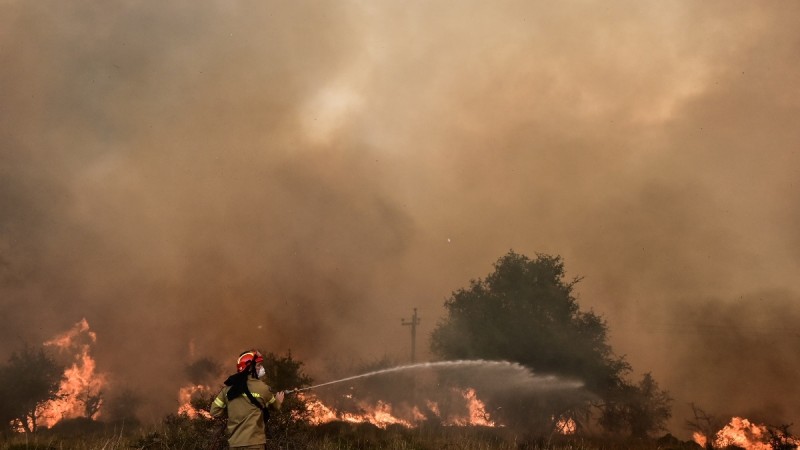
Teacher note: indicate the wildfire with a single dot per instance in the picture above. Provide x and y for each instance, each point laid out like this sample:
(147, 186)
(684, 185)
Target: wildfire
(81, 388)
(700, 439)
(379, 415)
(382, 414)
(185, 396)
(740, 433)
(477, 411)
(566, 426)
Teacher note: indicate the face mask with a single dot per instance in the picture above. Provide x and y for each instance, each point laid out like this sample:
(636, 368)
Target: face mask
(261, 371)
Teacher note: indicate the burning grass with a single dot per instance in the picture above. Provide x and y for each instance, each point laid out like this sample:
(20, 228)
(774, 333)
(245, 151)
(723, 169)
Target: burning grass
(181, 432)
(347, 417)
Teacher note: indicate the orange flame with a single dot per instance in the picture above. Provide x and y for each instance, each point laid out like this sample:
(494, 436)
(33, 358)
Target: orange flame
(80, 390)
(379, 415)
(700, 439)
(742, 433)
(477, 411)
(382, 414)
(566, 426)
(739, 433)
(185, 396)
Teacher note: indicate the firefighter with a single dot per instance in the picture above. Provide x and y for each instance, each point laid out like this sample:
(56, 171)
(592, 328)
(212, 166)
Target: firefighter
(246, 400)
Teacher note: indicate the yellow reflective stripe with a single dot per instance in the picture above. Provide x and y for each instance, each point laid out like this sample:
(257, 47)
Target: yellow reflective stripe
(218, 401)
(257, 395)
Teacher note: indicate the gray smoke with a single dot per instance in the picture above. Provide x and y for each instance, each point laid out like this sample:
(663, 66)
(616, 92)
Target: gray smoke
(200, 177)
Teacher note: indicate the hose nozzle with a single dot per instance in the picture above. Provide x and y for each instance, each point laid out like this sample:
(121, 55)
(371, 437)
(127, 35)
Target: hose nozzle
(292, 391)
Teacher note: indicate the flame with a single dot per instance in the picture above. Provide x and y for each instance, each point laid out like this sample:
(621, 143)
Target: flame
(379, 415)
(700, 439)
(382, 414)
(417, 415)
(185, 396)
(740, 433)
(433, 407)
(80, 390)
(318, 413)
(566, 426)
(477, 411)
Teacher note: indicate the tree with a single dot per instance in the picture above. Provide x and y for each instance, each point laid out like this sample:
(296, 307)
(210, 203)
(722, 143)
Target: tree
(92, 401)
(285, 373)
(641, 409)
(123, 406)
(525, 312)
(704, 423)
(781, 439)
(29, 380)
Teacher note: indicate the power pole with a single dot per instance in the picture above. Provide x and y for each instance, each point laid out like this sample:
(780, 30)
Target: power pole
(413, 323)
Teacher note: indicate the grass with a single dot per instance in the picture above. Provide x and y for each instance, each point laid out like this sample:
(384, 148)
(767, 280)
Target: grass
(179, 433)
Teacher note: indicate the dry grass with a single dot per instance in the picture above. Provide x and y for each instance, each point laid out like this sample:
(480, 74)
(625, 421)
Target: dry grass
(179, 433)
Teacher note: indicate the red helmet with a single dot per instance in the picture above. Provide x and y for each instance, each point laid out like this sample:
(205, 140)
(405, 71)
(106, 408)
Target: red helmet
(248, 357)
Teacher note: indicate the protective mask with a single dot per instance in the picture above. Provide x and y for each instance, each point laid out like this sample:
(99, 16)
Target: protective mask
(261, 372)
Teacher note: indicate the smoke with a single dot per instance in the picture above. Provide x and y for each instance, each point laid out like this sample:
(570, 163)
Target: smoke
(741, 349)
(300, 176)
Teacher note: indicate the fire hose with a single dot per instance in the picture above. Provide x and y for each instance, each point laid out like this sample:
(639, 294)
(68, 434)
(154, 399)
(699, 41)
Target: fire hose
(432, 365)
(292, 391)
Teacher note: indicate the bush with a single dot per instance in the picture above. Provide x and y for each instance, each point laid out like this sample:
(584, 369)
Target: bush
(180, 431)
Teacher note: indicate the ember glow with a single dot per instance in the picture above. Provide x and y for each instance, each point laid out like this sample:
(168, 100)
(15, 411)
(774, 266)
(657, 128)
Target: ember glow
(80, 393)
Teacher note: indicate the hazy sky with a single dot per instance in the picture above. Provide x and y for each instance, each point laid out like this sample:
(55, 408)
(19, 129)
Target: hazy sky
(198, 177)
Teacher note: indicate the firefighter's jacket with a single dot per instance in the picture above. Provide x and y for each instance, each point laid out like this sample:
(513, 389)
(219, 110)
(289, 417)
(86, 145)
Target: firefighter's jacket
(245, 420)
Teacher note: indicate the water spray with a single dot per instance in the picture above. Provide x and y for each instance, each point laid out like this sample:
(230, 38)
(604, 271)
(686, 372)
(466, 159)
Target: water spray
(520, 369)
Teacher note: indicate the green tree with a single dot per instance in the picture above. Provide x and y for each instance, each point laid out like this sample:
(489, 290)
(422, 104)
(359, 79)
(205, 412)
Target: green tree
(285, 373)
(29, 380)
(525, 312)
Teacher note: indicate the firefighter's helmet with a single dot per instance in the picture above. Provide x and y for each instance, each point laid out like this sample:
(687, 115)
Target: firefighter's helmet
(248, 359)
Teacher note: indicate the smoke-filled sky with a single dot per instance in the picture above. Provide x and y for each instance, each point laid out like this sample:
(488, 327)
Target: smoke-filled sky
(195, 178)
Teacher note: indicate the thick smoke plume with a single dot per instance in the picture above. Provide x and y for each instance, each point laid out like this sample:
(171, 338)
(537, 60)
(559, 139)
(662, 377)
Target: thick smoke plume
(195, 178)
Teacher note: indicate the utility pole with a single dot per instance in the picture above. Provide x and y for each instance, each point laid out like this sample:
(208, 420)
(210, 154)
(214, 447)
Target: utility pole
(413, 323)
